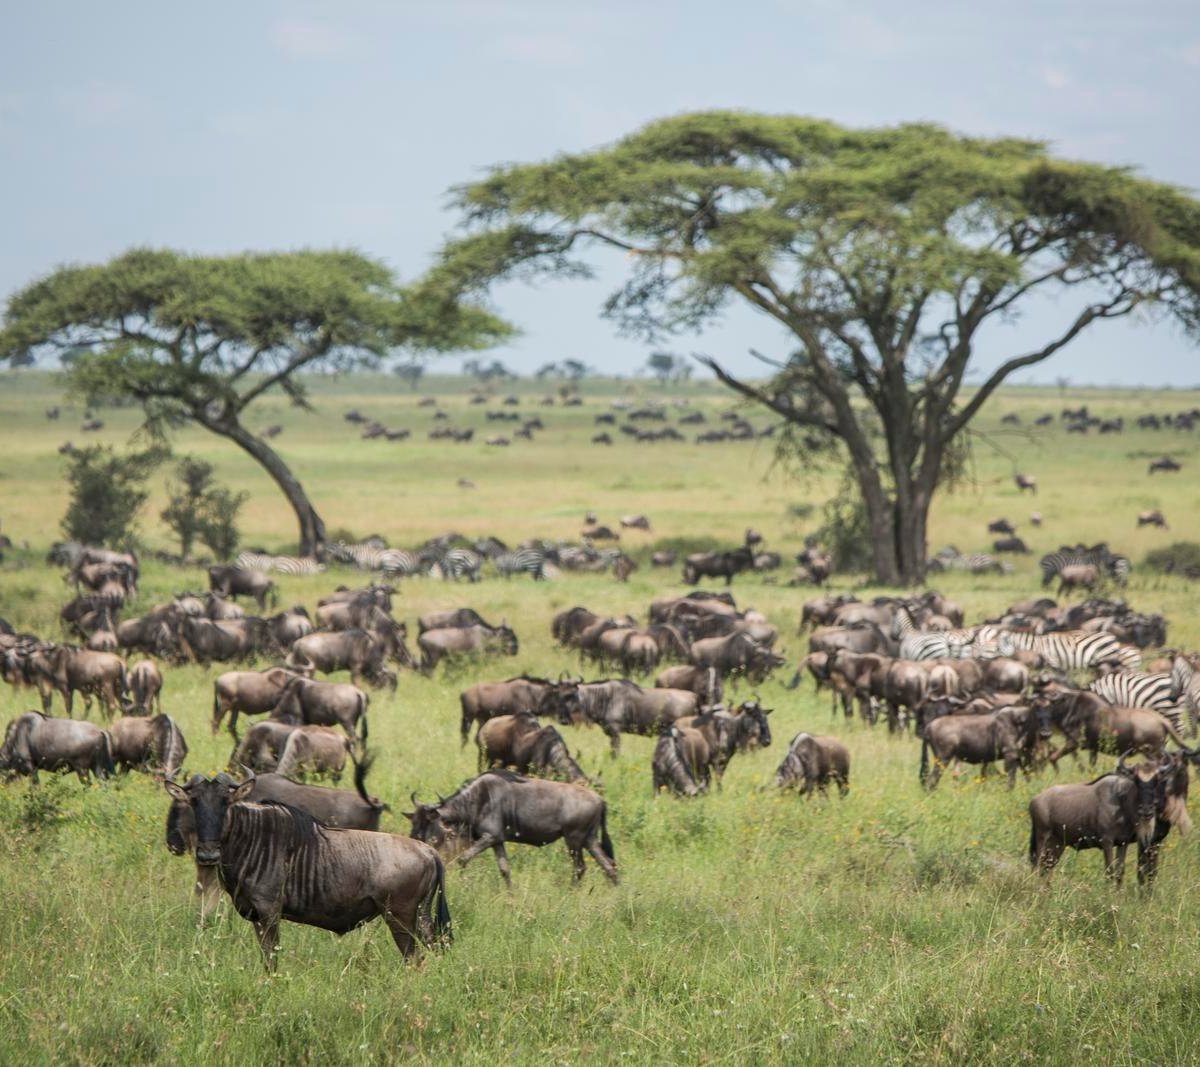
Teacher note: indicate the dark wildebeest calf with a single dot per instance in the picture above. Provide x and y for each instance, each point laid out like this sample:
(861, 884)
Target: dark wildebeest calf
(811, 761)
(277, 862)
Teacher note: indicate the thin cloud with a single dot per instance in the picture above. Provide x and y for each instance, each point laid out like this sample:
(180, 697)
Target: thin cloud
(1055, 78)
(311, 40)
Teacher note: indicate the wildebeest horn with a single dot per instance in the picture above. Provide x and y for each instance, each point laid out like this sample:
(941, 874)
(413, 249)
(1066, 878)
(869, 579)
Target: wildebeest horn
(1121, 768)
(413, 797)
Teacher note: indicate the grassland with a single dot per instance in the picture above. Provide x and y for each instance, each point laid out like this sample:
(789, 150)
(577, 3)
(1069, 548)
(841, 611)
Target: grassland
(749, 927)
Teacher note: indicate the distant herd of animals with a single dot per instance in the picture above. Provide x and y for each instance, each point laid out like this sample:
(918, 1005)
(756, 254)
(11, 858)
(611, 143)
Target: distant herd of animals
(1039, 683)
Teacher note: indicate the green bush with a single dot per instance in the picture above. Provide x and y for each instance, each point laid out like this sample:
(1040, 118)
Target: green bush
(200, 509)
(107, 492)
(1183, 557)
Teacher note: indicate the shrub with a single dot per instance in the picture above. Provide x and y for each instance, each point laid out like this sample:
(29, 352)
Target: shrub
(1183, 557)
(107, 492)
(200, 509)
(845, 532)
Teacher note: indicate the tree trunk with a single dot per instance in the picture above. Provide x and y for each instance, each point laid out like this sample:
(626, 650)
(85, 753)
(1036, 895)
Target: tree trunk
(312, 528)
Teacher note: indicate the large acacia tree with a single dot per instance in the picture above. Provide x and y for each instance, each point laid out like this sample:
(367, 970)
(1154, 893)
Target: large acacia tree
(882, 255)
(199, 339)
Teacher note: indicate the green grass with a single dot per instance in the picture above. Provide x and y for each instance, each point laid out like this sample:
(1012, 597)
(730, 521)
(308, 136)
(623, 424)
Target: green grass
(749, 926)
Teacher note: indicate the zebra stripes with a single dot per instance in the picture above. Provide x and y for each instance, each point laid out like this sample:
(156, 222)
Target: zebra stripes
(290, 565)
(1136, 689)
(932, 644)
(531, 561)
(1185, 687)
(1115, 566)
(1069, 650)
(458, 563)
(394, 562)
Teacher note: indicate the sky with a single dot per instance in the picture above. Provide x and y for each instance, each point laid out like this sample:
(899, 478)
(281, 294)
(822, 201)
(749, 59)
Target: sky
(262, 125)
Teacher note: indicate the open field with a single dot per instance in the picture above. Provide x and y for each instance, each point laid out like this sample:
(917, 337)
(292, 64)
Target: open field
(749, 926)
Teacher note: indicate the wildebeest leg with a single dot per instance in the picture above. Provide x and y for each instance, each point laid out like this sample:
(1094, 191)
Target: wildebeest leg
(1115, 867)
(1147, 865)
(893, 717)
(843, 783)
(1010, 765)
(606, 865)
(614, 738)
(1048, 854)
(502, 863)
(576, 852)
(268, 940)
(402, 933)
(935, 772)
(477, 849)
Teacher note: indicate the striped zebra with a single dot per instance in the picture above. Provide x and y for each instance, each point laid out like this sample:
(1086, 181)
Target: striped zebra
(976, 563)
(930, 644)
(531, 561)
(1136, 689)
(368, 557)
(399, 563)
(458, 563)
(1066, 650)
(1185, 687)
(1115, 566)
(290, 565)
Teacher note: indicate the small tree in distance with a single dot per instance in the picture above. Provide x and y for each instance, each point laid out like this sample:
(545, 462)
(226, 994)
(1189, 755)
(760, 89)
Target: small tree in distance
(198, 509)
(107, 492)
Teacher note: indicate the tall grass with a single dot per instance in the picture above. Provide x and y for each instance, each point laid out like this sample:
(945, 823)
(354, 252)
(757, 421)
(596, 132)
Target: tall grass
(749, 926)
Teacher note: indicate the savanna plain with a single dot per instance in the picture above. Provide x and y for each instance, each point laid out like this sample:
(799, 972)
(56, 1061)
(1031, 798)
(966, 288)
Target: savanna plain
(750, 926)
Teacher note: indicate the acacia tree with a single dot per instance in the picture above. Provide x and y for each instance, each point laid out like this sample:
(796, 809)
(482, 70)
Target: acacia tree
(199, 339)
(883, 255)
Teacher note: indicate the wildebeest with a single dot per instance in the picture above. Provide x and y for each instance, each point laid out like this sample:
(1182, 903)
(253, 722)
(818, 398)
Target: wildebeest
(277, 862)
(436, 645)
(453, 619)
(361, 652)
(1026, 481)
(145, 686)
(735, 655)
(1010, 544)
(1078, 576)
(202, 640)
(146, 744)
(717, 564)
(1165, 463)
(1133, 804)
(304, 701)
(1008, 734)
(812, 761)
(68, 670)
(241, 581)
(249, 693)
(670, 767)
(262, 746)
(705, 682)
(524, 744)
(635, 522)
(501, 806)
(486, 700)
(618, 706)
(35, 742)
(1087, 720)
(314, 751)
(1152, 518)
(289, 626)
(1001, 526)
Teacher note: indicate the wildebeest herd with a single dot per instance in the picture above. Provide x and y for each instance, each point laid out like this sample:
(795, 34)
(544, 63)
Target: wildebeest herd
(1037, 684)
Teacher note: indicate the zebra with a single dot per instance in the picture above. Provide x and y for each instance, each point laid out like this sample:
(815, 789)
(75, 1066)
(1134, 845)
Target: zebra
(1115, 566)
(1067, 650)
(291, 565)
(368, 557)
(457, 563)
(399, 563)
(950, 559)
(530, 561)
(930, 644)
(1185, 687)
(1136, 689)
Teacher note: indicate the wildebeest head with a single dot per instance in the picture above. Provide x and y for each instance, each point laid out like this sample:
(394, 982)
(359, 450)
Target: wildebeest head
(754, 729)
(508, 640)
(1147, 799)
(797, 765)
(207, 800)
(428, 825)
(560, 699)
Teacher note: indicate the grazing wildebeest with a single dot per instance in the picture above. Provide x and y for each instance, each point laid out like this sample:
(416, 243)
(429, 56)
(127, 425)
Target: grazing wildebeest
(664, 558)
(821, 610)
(705, 682)
(522, 743)
(486, 700)
(289, 626)
(304, 701)
(454, 619)
(670, 768)
(436, 645)
(1087, 720)
(618, 706)
(635, 522)
(1152, 518)
(277, 862)
(248, 693)
(811, 761)
(240, 581)
(1026, 481)
(361, 652)
(1008, 734)
(202, 640)
(735, 655)
(67, 670)
(35, 742)
(1166, 463)
(1010, 544)
(262, 746)
(1001, 526)
(314, 751)
(147, 744)
(500, 806)
(1078, 576)
(1133, 804)
(145, 686)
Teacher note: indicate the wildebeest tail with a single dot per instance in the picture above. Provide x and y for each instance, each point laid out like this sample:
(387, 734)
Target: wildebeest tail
(1032, 843)
(216, 707)
(924, 772)
(102, 763)
(442, 926)
(466, 718)
(606, 844)
(362, 719)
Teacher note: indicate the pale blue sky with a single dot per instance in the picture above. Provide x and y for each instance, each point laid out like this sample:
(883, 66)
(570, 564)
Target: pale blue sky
(229, 126)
